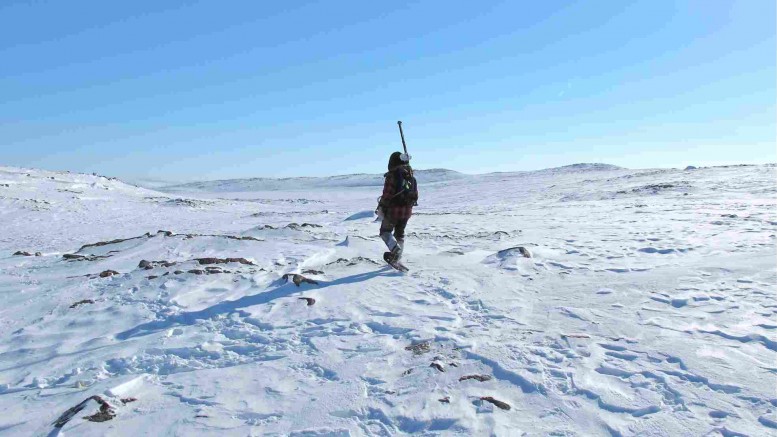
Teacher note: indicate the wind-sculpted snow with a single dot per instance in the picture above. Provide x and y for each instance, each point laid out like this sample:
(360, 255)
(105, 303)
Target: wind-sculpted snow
(585, 300)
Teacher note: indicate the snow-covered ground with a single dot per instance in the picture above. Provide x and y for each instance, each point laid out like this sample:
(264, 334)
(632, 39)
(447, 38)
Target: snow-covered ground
(648, 306)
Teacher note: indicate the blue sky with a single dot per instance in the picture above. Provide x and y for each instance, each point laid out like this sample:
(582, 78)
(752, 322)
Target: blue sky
(204, 90)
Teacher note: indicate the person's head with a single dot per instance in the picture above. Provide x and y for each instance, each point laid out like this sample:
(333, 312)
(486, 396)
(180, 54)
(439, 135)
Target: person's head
(395, 160)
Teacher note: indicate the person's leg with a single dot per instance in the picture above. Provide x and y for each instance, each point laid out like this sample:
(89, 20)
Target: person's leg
(399, 236)
(386, 227)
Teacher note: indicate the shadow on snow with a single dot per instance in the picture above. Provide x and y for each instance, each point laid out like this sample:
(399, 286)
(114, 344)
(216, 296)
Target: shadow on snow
(230, 306)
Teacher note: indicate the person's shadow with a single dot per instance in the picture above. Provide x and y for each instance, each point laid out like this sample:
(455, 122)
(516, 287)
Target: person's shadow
(230, 306)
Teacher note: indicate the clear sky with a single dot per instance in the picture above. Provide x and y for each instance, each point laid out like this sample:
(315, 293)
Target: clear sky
(204, 90)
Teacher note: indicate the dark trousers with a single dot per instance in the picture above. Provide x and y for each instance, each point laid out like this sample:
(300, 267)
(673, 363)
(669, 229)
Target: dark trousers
(395, 225)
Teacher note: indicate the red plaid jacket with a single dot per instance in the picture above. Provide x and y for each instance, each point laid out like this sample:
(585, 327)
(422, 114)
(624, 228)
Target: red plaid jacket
(393, 212)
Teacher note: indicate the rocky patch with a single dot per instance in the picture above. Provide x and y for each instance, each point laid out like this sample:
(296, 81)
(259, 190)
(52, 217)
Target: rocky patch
(229, 237)
(419, 348)
(298, 279)
(354, 261)
(21, 253)
(76, 257)
(81, 302)
(148, 265)
(116, 241)
(105, 413)
(310, 301)
(519, 249)
(206, 261)
(437, 366)
(481, 378)
(499, 404)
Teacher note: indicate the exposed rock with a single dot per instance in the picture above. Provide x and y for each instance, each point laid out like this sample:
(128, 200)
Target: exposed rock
(354, 261)
(21, 253)
(481, 378)
(38, 254)
(407, 372)
(119, 240)
(296, 226)
(691, 167)
(496, 402)
(107, 273)
(81, 302)
(76, 257)
(178, 272)
(312, 272)
(419, 348)
(298, 279)
(152, 277)
(438, 366)
(445, 400)
(197, 271)
(148, 265)
(575, 336)
(125, 401)
(520, 249)
(729, 215)
(106, 412)
(310, 301)
(229, 237)
(241, 238)
(205, 261)
(192, 203)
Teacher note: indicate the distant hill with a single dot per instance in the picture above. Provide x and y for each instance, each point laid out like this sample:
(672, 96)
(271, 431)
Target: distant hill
(430, 176)
(307, 183)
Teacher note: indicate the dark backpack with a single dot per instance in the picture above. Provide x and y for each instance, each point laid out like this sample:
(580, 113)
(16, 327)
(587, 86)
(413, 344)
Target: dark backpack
(406, 192)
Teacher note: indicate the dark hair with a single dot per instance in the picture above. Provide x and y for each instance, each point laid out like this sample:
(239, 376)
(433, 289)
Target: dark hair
(395, 160)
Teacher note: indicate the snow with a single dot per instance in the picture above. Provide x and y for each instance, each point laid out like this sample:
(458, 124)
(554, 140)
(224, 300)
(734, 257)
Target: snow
(646, 306)
(305, 183)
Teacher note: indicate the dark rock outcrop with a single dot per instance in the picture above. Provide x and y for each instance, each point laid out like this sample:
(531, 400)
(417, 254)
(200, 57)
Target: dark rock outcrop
(419, 348)
(148, 265)
(81, 302)
(206, 261)
(118, 240)
(520, 249)
(107, 273)
(105, 413)
(76, 257)
(481, 378)
(310, 301)
(298, 279)
(498, 403)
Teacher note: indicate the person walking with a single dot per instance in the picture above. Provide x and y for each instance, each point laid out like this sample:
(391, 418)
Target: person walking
(395, 206)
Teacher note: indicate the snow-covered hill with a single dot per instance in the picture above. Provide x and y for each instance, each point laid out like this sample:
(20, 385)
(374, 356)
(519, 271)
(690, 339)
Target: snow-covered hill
(307, 183)
(577, 301)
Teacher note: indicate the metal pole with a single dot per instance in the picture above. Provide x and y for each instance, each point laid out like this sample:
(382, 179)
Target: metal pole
(404, 146)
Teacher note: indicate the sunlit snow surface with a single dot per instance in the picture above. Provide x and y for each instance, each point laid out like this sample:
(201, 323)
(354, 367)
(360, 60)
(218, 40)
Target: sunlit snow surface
(648, 307)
